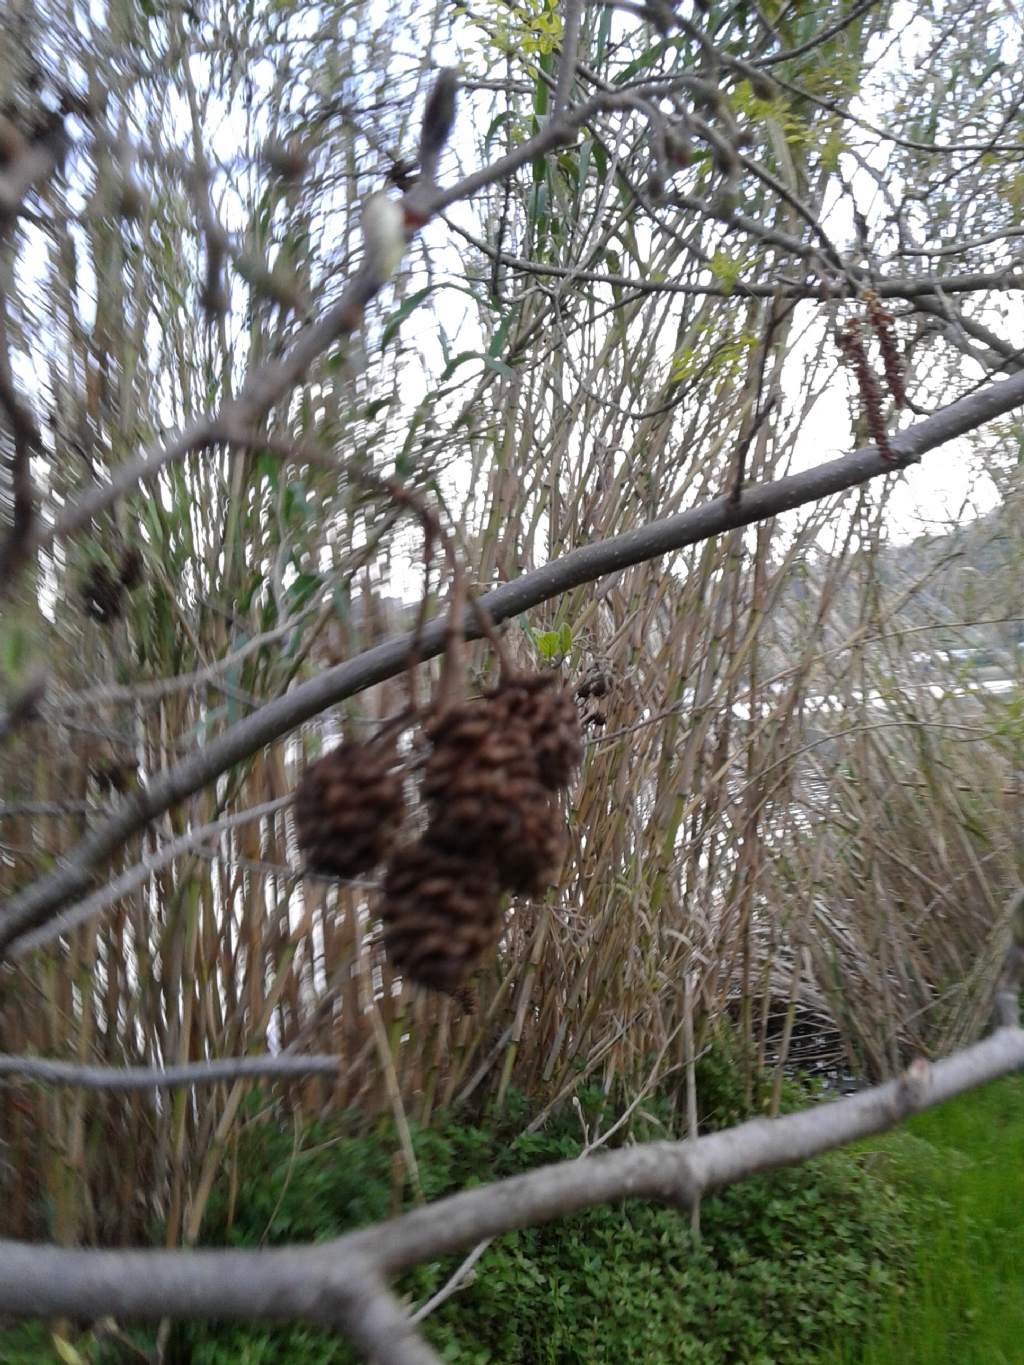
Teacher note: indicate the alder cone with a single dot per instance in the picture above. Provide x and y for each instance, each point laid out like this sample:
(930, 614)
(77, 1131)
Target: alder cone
(532, 863)
(476, 777)
(348, 807)
(549, 712)
(101, 593)
(467, 999)
(482, 785)
(441, 914)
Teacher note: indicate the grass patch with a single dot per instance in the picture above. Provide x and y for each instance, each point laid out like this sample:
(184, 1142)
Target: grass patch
(960, 1169)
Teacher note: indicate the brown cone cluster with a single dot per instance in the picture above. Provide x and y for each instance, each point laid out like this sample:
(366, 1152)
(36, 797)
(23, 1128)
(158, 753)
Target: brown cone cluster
(489, 787)
(547, 710)
(491, 776)
(489, 784)
(131, 570)
(348, 807)
(593, 688)
(103, 589)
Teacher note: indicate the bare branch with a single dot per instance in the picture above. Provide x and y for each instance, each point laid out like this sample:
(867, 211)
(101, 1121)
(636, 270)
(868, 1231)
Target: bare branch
(822, 36)
(339, 1281)
(896, 287)
(165, 687)
(271, 382)
(213, 1072)
(572, 11)
(234, 423)
(376, 1321)
(338, 1290)
(585, 565)
(138, 875)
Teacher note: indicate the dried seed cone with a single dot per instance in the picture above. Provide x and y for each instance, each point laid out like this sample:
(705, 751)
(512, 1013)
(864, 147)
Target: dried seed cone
(533, 862)
(478, 754)
(441, 914)
(348, 807)
(101, 593)
(486, 801)
(547, 709)
(467, 1000)
(479, 782)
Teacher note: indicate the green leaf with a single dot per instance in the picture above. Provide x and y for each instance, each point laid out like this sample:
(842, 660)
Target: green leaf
(548, 643)
(268, 466)
(456, 361)
(296, 506)
(565, 638)
(646, 59)
(15, 650)
(498, 366)
(303, 588)
(400, 314)
(501, 332)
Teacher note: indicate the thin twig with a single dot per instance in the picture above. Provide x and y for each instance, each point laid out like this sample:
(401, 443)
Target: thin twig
(213, 1072)
(138, 876)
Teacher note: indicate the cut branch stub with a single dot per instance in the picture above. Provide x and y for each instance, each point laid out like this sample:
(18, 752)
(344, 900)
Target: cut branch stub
(348, 808)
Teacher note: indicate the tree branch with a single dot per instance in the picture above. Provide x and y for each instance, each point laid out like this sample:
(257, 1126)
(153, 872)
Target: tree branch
(212, 1072)
(572, 11)
(341, 1282)
(140, 873)
(895, 287)
(271, 382)
(73, 873)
